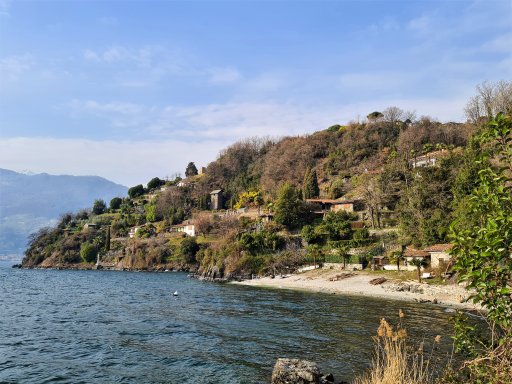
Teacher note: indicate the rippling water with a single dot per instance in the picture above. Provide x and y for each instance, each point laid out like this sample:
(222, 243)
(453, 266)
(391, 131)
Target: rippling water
(126, 327)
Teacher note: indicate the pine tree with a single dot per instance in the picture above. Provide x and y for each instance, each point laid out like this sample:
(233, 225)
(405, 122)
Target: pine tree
(310, 185)
(191, 170)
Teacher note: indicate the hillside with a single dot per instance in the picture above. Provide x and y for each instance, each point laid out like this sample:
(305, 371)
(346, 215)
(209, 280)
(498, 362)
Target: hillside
(382, 191)
(29, 202)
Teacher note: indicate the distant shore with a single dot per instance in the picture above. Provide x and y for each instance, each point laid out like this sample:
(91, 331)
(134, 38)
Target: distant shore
(334, 281)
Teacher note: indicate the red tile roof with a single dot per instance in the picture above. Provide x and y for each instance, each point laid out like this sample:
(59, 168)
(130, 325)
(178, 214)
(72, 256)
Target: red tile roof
(411, 252)
(438, 248)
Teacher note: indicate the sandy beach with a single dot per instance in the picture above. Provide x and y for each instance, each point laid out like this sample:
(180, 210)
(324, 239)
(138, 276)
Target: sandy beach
(336, 281)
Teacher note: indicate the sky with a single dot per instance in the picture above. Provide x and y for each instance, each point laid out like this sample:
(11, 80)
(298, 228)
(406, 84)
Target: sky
(130, 90)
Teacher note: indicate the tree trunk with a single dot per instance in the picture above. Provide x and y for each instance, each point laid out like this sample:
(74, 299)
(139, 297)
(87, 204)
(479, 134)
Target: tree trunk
(419, 273)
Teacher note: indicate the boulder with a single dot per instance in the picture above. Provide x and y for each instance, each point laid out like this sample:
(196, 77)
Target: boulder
(295, 371)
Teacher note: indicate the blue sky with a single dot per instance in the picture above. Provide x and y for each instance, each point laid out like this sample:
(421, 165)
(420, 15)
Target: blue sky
(130, 90)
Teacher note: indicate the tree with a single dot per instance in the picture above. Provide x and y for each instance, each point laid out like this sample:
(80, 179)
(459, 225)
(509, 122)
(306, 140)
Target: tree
(115, 203)
(419, 262)
(99, 207)
(482, 233)
(374, 116)
(136, 191)
(154, 183)
(88, 252)
(290, 210)
(107, 240)
(189, 248)
(491, 99)
(191, 170)
(310, 184)
(337, 225)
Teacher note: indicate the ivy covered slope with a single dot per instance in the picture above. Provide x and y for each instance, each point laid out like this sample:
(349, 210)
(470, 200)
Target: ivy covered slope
(345, 194)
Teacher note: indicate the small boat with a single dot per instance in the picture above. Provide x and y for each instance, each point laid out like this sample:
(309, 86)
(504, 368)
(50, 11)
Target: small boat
(175, 293)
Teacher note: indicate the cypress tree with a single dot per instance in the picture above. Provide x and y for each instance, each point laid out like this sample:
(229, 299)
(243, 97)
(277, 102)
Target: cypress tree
(310, 185)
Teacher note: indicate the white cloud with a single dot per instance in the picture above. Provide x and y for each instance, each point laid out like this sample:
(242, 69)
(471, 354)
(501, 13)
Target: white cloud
(420, 24)
(12, 67)
(5, 5)
(128, 163)
(501, 44)
(141, 57)
(224, 75)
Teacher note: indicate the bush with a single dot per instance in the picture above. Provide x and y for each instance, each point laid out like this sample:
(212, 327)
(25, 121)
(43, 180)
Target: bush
(136, 191)
(99, 207)
(189, 249)
(155, 183)
(88, 253)
(115, 203)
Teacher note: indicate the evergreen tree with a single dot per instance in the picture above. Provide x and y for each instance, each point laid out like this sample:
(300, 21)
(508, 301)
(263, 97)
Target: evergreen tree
(107, 240)
(290, 210)
(191, 170)
(310, 185)
(99, 207)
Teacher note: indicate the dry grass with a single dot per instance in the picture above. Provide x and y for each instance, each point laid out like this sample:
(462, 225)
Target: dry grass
(395, 362)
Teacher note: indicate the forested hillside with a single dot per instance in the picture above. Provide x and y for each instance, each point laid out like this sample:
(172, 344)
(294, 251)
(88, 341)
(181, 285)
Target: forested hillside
(346, 192)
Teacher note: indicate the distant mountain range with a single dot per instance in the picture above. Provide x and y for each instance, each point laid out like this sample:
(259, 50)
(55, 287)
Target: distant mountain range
(31, 201)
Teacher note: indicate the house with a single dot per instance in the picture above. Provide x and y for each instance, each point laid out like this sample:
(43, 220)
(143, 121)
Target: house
(202, 170)
(217, 201)
(266, 217)
(182, 183)
(187, 228)
(89, 226)
(439, 255)
(325, 205)
(431, 159)
(133, 231)
(411, 254)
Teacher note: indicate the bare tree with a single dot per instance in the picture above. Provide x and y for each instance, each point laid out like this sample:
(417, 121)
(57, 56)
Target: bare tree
(491, 98)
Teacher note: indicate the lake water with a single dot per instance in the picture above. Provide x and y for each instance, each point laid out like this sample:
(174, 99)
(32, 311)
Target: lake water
(126, 327)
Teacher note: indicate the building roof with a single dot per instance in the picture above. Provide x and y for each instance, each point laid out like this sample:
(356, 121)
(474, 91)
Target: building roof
(433, 155)
(216, 191)
(411, 252)
(438, 248)
(330, 201)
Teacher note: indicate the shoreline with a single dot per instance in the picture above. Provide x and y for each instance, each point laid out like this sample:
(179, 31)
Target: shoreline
(358, 284)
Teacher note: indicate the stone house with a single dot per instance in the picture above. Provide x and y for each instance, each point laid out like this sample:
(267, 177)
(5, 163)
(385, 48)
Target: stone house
(217, 200)
(439, 255)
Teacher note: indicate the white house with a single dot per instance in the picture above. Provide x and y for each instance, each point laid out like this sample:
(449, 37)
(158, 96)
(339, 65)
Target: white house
(132, 232)
(188, 229)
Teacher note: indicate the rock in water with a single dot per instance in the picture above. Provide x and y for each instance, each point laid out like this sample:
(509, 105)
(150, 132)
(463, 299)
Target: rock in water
(295, 371)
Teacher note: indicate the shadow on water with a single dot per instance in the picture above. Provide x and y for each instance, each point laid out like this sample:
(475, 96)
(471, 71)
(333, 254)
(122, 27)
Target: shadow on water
(105, 326)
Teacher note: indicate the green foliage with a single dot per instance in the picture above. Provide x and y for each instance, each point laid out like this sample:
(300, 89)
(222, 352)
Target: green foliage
(337, 225)
(189, 248)
(88, 252)
(483, 235)
(107, 240)
(115, 203)
(99, 207)
(334, 128)
(191, 170)
(136, 191)
(310, 185)
(262, 241)
(290, 210)
(155, 183)
(152, 214)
